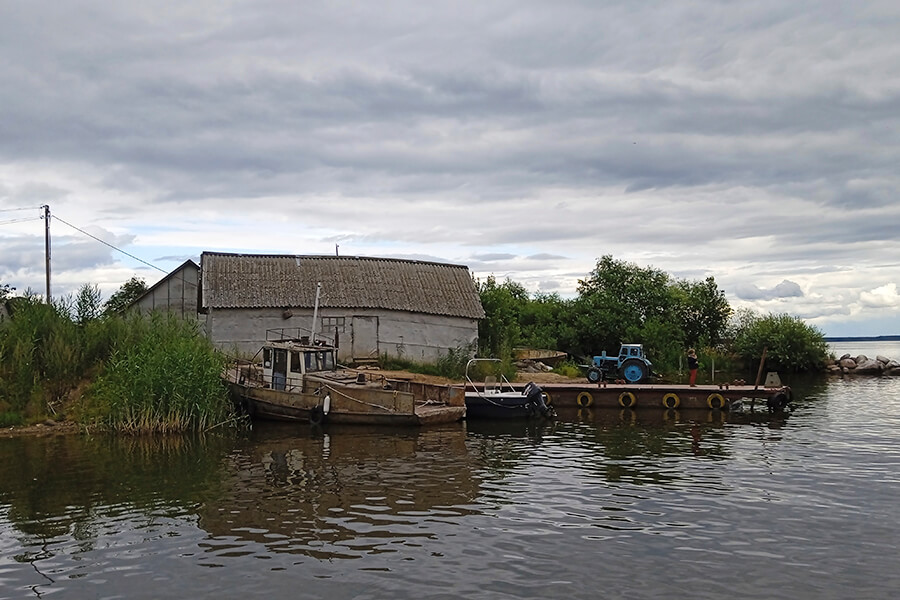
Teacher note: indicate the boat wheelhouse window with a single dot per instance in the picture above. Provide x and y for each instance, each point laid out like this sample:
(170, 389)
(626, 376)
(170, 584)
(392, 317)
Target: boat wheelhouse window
(295, 362)
(319, 361)
(326, 361)
(267, 357)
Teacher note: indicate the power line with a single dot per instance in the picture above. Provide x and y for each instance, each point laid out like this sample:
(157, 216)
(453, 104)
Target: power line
(20, 220)
(140, 260)
(23, 208)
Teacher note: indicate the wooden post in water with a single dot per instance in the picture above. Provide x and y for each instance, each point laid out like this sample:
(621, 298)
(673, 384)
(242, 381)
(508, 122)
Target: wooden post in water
(762, 363)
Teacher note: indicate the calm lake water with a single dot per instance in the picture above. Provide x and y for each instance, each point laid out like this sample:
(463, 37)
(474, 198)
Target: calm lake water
(602, 504)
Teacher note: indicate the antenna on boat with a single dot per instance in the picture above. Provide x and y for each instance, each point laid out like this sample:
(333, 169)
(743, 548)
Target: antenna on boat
(316, 311)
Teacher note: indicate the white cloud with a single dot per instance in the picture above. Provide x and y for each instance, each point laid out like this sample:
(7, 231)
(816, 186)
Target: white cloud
(881, 297)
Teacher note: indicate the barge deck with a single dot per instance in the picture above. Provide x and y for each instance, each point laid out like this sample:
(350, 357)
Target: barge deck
(660, 395)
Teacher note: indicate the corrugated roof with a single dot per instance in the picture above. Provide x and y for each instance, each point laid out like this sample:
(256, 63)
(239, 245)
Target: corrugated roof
(266, 281)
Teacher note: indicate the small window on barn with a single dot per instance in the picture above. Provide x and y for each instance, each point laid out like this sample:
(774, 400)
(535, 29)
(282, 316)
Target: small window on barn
(331, 324)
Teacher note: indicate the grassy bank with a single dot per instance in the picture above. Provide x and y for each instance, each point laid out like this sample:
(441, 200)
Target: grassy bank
(122, 373)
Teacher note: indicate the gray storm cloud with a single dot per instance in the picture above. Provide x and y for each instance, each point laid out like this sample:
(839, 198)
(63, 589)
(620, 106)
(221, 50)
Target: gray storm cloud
(785, 289)
(749, 142)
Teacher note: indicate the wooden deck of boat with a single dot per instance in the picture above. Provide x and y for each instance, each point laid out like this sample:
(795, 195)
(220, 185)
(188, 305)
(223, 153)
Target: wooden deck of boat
(652, 395)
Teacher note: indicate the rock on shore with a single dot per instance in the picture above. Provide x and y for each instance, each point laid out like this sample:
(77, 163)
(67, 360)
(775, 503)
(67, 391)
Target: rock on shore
(863, 365)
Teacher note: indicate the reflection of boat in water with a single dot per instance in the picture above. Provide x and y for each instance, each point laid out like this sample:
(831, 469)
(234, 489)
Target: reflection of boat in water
(315, 492)
(497, 399)
(512, 428)
(299, 380)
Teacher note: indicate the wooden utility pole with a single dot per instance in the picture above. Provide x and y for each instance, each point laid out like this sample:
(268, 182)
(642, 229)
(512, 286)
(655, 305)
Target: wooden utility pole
(47, 246)
(762, 363)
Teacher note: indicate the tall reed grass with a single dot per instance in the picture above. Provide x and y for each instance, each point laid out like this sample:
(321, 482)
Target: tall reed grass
(154, 373)
(42, 356)
(163, 376)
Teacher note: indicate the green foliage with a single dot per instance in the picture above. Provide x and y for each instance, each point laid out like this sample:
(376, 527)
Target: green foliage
(790, 344)
(163, 376)
(10, 419)
(130, 291)
(87, 304)
(662, 343)
(153, 374)
(514, 319)
(451, 365)
(505, 367)
(500, 330)
(41, 357)
(620, 302)
(5, 291)
(703, 312)
(546, 322)
(568, 369)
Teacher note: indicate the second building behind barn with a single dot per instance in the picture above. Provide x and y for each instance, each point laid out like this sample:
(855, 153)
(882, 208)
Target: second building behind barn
(411, 309)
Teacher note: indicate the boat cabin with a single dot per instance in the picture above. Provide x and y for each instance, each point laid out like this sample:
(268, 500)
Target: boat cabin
(287, 359)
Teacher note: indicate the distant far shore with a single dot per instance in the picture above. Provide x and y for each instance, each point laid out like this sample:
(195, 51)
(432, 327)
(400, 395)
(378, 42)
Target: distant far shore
(876, 338)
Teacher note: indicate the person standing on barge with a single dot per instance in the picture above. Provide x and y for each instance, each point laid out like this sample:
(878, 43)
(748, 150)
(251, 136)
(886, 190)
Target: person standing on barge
(693, 365)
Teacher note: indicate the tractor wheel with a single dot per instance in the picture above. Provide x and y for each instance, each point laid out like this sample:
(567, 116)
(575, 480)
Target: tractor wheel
(634, 370)
(594, 375)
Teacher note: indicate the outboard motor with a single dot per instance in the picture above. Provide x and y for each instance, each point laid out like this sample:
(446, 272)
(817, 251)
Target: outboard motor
(535, 396)
(780, 399)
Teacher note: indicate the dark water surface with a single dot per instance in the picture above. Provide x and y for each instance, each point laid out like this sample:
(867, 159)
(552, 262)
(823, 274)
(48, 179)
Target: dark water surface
(602, 504)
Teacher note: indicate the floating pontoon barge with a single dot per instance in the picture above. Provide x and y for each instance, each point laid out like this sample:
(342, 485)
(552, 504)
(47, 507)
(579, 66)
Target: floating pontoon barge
(655, 395)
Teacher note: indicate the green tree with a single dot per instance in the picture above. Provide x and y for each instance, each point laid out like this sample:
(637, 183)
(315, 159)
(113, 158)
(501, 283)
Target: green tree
(87, 304)
(500, 330)
(617, 300)
(790, 344)
(703, 312)
(5, 291)
(130, 291)
(546, 323)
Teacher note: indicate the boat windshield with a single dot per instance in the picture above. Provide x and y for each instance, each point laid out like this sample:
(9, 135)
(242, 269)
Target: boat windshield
(319, 360)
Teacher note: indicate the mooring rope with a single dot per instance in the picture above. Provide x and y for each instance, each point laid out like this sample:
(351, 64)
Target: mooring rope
(349, 397)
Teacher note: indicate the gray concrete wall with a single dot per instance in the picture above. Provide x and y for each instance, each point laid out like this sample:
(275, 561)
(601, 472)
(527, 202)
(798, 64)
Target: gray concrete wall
(414, 336)
(177, 294)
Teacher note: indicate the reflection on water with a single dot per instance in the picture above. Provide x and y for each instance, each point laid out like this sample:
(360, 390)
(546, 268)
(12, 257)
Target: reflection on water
(340, 493)
(599, 503)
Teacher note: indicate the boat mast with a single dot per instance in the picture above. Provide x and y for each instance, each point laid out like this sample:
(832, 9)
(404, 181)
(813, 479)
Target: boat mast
(315, 312)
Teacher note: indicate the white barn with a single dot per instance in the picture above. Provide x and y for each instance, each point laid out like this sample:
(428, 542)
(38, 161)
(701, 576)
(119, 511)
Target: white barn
(404, 308)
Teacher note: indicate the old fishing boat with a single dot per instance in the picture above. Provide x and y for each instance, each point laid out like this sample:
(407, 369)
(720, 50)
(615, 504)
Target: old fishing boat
(296, 378)
(497, 399)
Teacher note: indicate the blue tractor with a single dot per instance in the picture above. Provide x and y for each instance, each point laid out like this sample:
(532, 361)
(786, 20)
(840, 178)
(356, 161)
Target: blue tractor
(630, 365)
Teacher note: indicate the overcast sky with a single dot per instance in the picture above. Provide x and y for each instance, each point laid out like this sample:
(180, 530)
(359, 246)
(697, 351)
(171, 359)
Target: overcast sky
(755, 142)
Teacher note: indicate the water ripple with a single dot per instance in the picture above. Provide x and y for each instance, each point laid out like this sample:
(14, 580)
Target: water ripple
(615, 505)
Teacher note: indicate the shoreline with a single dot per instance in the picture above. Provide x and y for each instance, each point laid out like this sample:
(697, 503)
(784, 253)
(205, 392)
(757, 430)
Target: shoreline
(42, 429)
